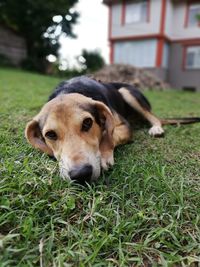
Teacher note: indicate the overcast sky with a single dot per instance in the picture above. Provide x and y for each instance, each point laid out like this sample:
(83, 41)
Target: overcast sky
(91, 30)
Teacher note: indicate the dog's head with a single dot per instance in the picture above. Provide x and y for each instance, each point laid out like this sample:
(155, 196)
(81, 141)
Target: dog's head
(77, 131)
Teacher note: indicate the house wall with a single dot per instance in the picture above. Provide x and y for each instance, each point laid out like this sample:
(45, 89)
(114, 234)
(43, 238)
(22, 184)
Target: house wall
(178, 76)
(118, 29)
(179, 30)
(162, 39)
(162, 73)
(12, 46)
(169, 18)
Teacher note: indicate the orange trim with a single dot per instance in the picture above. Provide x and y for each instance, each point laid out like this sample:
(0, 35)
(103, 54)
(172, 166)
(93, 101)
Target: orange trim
(123, 12)
(186, 15)
(138, 37)
(155, 36)
(163, 17)
(160, 42)
(111, 53)
(194, 41)
(148, 10)
(159, 55)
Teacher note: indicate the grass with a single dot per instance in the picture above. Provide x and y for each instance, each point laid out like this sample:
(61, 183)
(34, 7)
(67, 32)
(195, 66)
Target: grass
(143, 212)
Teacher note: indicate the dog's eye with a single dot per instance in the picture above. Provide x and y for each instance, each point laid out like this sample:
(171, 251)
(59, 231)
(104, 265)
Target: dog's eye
(87, 124)
(51, 135)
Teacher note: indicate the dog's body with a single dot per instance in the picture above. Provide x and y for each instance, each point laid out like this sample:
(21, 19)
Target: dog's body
(124, 101)
(85, 120)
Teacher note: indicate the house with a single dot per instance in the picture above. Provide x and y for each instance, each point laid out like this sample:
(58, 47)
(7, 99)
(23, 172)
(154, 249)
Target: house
(162, 36)
(12, 46)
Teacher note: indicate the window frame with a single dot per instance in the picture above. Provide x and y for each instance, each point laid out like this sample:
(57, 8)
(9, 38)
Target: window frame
(124, 12)
(185, 54)
(187, 15)
(126, 46)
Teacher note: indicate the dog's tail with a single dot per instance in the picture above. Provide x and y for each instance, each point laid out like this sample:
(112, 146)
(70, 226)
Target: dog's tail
(177, 121)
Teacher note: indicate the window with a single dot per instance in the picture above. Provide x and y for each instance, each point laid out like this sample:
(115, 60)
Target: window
(165, 59)
(193, 57)
(193, 13)
(136, 12)
(137, 53)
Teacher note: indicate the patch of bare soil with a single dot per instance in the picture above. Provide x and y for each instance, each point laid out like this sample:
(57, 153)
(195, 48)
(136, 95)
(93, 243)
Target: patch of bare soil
(142, 79)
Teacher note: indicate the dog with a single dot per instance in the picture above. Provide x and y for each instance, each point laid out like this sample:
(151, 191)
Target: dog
(84, 120)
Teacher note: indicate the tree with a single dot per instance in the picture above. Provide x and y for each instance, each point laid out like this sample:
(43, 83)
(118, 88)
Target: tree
(91, 60)
(33, 20)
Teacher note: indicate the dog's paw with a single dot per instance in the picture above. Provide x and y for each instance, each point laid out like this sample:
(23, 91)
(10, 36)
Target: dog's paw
(107, 161)
(156, 131)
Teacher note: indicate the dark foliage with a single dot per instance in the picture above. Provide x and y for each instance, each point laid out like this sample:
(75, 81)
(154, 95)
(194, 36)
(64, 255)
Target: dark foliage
(33, 20)
(5, 61)
(93, 60)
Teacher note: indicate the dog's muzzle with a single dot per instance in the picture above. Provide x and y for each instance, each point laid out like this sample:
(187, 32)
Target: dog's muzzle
(81, 174)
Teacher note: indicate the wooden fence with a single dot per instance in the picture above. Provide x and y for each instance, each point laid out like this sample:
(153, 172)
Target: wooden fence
(12, 46)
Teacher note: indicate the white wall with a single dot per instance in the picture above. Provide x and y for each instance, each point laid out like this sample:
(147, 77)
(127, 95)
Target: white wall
(175, 23)
(137, 53)
(136, 29)
(169, 18)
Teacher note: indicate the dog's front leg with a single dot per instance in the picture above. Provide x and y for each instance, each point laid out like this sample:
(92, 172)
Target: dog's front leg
(107, 159)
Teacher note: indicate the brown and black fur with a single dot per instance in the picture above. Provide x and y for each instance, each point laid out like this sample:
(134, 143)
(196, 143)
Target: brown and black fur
(108, 93)
(84, 120)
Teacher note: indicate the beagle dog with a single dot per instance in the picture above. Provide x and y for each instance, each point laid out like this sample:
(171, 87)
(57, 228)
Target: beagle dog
(84, 120)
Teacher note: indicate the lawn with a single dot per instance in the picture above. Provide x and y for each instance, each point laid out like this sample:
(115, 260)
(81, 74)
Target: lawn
(143, 212)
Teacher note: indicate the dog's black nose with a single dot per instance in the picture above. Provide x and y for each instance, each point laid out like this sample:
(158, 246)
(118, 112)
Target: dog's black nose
(81, 174)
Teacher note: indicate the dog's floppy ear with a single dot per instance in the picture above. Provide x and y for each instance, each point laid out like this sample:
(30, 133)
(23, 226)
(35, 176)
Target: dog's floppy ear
(107, 123)
(34, 136)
